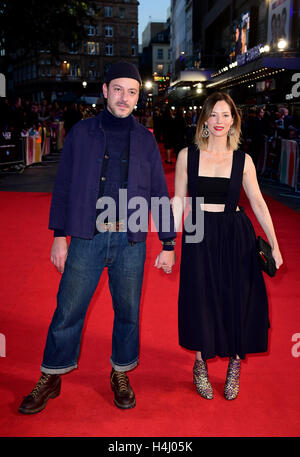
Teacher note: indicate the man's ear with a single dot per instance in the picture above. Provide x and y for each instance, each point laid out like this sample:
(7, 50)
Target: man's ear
(105, 90)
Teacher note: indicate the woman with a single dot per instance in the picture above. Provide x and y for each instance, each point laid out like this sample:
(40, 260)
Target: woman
(223, 307)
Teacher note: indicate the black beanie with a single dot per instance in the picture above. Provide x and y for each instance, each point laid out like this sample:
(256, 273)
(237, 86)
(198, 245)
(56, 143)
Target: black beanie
(122, 70)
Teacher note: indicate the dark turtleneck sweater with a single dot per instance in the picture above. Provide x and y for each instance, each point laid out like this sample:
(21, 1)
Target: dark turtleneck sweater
(114, 172)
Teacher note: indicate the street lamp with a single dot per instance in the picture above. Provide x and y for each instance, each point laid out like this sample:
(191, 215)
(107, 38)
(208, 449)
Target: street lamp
(148, 85)
(282, 44)
(84, 83)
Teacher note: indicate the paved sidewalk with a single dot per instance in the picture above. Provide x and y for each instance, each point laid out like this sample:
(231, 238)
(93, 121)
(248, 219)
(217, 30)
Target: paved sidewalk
(35, 178)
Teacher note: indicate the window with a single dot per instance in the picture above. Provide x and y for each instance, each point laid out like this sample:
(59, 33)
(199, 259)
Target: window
(122, 13)
(73, 48)
(160, 68)
(108, 11)
(132, 32)
(92, 74)
(2, 47)
(33, 71)
(92, 30)
(160, 53)
(133, 50)
(75, 70)
(106, 67)
(109, 31)
(109, 50)
(91, 11)
(91, 47)
(169, 53)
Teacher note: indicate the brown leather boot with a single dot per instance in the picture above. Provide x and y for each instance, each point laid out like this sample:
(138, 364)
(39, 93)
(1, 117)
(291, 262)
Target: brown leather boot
(124, 395)
(47, 387)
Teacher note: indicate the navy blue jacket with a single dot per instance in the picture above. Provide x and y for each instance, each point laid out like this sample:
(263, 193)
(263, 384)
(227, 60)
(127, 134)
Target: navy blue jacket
(75, 193)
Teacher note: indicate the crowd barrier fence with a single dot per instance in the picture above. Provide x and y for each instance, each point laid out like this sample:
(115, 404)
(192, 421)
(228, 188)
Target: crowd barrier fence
(289, 163)
(280, 158)
(32, 146)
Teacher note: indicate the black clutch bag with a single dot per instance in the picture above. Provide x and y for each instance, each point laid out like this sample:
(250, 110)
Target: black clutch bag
(265, 258)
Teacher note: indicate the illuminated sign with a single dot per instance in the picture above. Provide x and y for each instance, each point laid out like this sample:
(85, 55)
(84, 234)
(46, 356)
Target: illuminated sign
(268, 84)
(279, 23)
(161, 78)
(250, 55)
(240, 37)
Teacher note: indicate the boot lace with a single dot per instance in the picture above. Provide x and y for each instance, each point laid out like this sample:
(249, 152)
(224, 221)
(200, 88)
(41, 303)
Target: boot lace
(42, 381)
(122, 380)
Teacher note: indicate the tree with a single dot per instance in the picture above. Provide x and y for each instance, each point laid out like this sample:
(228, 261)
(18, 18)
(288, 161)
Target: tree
(29, 27)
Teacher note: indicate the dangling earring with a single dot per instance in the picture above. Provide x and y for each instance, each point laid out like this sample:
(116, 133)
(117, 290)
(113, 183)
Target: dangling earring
(205, 132)
(231, 131)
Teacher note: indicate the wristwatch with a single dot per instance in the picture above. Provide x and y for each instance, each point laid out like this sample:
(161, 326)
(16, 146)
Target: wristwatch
(169, 243)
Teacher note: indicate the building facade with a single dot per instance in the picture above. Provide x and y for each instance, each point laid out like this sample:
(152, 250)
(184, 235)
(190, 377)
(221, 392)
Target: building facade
(155, 61)
(156, 54)
(189, 76)
(251, 48)
(79, 70)
(261, 49)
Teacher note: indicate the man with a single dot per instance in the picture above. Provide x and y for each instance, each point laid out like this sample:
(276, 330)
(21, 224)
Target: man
(102, 156)
(257, 128)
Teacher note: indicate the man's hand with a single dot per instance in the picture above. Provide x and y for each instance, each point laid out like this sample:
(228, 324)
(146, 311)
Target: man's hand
(165, 260)
(59, 253)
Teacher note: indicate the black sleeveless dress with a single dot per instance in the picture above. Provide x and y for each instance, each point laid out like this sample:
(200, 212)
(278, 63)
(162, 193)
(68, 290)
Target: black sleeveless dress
(223, 305)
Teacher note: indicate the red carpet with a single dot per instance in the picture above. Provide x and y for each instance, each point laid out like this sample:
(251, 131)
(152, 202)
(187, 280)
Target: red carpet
(167, 404)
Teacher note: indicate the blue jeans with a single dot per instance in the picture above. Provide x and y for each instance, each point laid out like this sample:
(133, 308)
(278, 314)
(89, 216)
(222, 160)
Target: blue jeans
(84, 265)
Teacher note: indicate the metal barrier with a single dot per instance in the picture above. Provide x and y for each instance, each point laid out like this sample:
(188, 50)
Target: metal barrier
(11, 152)
(289, 163)
(279, 159)
(32, 146)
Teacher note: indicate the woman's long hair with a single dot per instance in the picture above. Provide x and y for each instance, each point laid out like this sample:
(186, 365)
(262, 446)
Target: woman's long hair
(233, 141)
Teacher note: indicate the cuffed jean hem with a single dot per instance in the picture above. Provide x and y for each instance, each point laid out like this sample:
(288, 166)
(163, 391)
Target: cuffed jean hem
(57, 370)
(123, 368)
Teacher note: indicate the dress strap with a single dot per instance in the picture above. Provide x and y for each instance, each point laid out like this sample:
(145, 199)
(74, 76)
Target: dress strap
(192, 169)
(236, 179)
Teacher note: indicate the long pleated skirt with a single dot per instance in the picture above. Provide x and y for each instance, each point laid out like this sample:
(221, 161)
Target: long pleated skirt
(223, 305)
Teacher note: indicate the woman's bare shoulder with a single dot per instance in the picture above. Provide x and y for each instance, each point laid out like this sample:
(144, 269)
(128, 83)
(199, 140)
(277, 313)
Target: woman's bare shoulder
(248, 163)
(183, 153)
